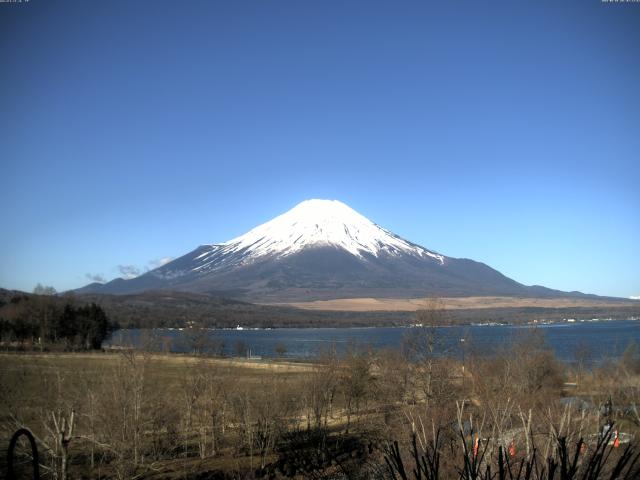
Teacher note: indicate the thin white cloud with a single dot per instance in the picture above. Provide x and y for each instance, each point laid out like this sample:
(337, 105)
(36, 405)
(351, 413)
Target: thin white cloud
(158, 262)
(129, 271)
(635, 297)
(132, 271)
(96, 277)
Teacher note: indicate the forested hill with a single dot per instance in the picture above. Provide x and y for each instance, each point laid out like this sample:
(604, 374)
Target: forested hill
(47, 321)
(157, 309)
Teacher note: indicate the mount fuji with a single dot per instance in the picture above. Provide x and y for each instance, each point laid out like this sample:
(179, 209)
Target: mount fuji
(319, 250)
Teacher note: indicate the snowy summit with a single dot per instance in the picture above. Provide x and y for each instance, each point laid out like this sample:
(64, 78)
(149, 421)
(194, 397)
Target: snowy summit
(315, 223)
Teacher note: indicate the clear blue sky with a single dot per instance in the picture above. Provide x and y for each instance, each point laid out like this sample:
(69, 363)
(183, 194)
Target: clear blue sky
(507, 132)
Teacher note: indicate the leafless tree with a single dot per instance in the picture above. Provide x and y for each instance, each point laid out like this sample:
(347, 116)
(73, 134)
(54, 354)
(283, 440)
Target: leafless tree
(355, 381)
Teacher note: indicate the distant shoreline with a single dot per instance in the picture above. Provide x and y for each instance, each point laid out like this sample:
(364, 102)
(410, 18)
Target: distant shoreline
(567, 322)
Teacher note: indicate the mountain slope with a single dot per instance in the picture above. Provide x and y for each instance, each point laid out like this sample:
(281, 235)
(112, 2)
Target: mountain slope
(322, 249)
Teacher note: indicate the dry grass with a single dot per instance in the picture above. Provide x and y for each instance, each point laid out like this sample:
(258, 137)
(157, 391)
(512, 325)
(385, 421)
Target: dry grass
(166, 371)
(451, 303)
(157, 360)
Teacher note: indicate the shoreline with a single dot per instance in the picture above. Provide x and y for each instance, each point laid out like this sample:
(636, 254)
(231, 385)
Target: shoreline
(541, 323)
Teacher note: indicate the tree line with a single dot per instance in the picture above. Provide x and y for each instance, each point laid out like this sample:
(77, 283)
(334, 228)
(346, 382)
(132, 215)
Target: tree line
(46, 320)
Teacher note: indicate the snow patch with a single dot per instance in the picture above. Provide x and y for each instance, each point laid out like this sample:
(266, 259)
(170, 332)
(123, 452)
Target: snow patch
(313, 223)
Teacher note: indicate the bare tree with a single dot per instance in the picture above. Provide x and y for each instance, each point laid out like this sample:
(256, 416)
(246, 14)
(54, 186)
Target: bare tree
(40, 289)
(355, 381)
(280, 350)
(320, 390)
(63, 433)
(124, 411)
(582, 354)
(240, 348)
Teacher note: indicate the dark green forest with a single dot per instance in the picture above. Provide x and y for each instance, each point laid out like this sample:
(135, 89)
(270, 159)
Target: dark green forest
(47, 321)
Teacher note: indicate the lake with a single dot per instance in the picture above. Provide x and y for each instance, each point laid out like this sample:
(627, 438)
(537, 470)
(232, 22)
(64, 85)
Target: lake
(604, 339)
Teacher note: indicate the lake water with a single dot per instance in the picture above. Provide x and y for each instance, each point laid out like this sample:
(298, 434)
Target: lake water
(604, 339)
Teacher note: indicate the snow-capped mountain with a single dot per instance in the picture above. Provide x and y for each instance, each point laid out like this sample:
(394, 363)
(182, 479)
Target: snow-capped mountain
(313, 223)
(321, 249)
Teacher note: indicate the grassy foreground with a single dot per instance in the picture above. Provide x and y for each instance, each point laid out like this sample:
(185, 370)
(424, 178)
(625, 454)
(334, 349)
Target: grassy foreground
(136, 414)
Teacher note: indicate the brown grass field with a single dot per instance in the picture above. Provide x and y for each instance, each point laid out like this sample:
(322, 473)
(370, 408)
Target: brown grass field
(452, 303)
(161, 364)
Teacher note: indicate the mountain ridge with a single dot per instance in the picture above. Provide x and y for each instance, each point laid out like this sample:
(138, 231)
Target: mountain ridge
(320, 250)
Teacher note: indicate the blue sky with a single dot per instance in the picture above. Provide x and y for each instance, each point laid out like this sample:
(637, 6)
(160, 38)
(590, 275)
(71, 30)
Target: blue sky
(507, 132)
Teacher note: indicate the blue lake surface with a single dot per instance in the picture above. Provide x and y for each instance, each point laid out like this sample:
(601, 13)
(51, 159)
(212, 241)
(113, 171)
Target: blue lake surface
(605, 339)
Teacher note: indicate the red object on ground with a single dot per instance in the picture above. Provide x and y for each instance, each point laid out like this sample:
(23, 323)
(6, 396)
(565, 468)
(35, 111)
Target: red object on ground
(512, 448)
(616, 440)
(476, 445)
